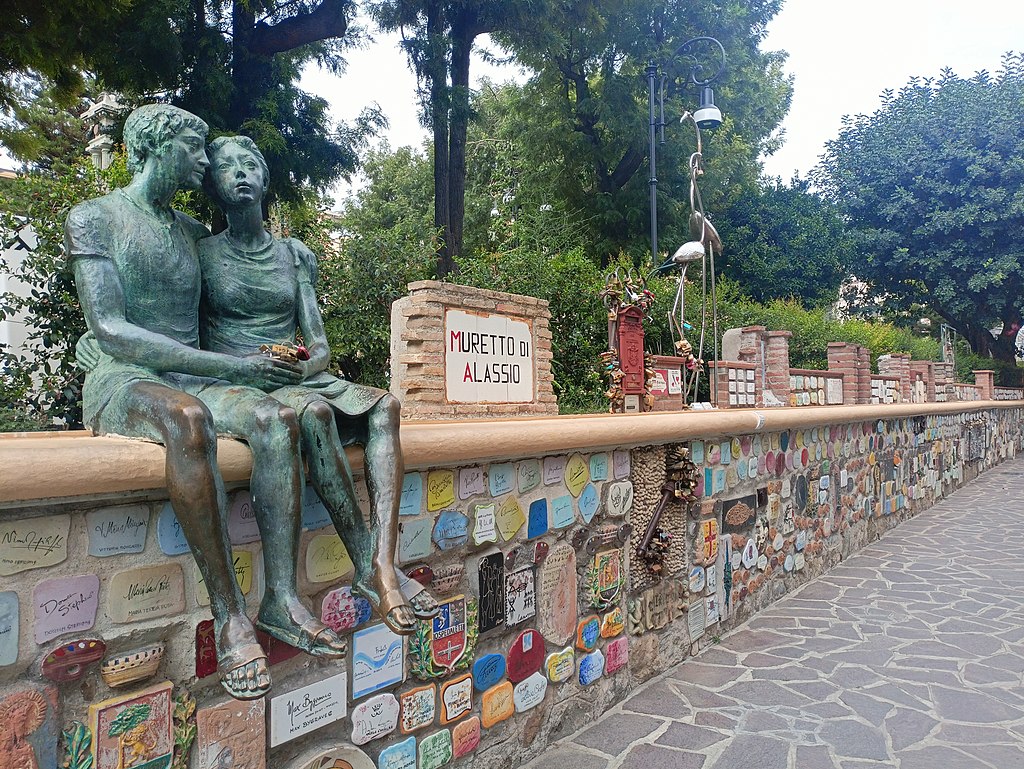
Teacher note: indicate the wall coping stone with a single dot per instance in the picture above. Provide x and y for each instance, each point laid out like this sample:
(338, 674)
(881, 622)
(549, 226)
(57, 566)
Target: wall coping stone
(78, 465)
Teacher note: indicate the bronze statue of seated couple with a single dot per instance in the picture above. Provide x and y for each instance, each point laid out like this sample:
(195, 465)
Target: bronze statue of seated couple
(177, 319)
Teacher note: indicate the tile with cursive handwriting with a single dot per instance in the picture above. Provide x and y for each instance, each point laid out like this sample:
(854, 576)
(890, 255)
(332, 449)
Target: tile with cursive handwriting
(510, 518)
(414, 541)
(471, 482)
(527, 475)
(621, 464)
(145, 593)
(466, 736)
(327, 560)
(419, 707)
(378, 660)
(117, 530)
(314, 513)
(440, 490)
(33, 543)
(401, 755)
(64, 605)
(501, 479)
(484, 525)
(599, 467)
(562, 512)
(242, 525)
(411, 502)
(530, 692)
(308, 708)
(590, 501)
(554, 470)
(577, 474)
(456, 698)
(244, 575)
(374, 718)
(9, 628)
(169, 535)
(497, 704)
(451, 529)
(435, 750)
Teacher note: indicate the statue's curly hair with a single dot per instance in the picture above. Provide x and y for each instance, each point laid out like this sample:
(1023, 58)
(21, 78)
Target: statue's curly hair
(240, 141)
(151, 125)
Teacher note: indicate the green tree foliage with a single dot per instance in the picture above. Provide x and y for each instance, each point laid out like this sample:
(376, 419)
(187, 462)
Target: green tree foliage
(785, 241)
(933, 184)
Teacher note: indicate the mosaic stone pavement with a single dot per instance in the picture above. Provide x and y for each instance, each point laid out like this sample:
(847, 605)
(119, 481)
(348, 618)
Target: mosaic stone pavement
(910, 654)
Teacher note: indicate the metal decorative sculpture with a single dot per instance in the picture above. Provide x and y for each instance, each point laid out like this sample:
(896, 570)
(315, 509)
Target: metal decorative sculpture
(257, 292)
(136, 266)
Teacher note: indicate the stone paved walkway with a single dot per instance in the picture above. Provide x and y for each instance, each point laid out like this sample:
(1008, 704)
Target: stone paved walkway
(909, 655)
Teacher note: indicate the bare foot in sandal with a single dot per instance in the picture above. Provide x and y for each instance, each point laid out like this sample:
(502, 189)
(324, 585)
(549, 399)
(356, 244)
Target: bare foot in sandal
(287, 619)
(424, 605)
(390, 604)
(241, 661)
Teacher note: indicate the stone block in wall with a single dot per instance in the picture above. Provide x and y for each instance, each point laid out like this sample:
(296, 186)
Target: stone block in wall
(485, 352)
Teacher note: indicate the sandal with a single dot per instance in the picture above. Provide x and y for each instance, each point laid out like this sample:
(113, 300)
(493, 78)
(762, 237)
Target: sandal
(312, 637)
(389, 601)
(237, 658)
(423, 604)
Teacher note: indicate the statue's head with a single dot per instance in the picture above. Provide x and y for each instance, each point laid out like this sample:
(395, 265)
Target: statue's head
(235, 161)
(151, 126)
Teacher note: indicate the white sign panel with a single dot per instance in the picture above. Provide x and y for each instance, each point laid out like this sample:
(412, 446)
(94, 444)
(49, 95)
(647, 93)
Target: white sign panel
(488, 358)
(303, 710)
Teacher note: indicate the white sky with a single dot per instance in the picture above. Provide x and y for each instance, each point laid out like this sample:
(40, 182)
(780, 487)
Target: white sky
(842, 54)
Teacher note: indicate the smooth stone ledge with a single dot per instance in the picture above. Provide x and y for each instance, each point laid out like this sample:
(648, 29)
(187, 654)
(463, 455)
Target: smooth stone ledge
(49, 468)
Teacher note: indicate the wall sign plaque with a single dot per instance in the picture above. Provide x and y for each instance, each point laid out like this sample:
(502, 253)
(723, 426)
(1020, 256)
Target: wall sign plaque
(33, 543)
(28, 728)
(169, 535)
(560, 665)
(605, 579)
(446, 642)
(738, 514)
(471, 482)
(491, 588)
(587, 633)
(488, 358)
(135, 728)
(487, 671)
(577, 474)
(616, 655)
(501, 479)
(308, 708)
(374, 718)
(485, 527)
(401, 755)
(435, 750)
(554, 470)
(117, 530)
(327, 560)
(418, 707)
(562, 512)
(414, 539)
(530, 693)
(411, 502)
(591, 667)
(525, 656)
(589, 502)
(537, 522)
(599, 467)
(497, 704)
(244, 575)
(440, 490)
(378, 660)
(612, 623)
(340, 610)
(231, 734)
(618, 498)
(621, 464)
(456, 698)
(65, 605)
(520, 596)
(451, 529)
(466, 737)
(510, 518)
(242, 525)
(528, 475)
(10, 626)
(558, 590)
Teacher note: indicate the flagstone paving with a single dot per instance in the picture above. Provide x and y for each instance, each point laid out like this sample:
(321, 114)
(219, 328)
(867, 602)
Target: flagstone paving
(910, 654)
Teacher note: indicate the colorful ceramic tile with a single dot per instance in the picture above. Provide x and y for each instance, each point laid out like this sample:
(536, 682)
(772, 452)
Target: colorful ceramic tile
(456, 698)
(33, 543)
(525, 656)
(719, 481)
(697, 452)
(488, 670)
(314, 512)
(589, 502)
(711, 615)
(440, 490)
(466, 737)
(558, 594)
(340, 757)
(169, 535)
(697, 579)
(491, 589)
(711, 579)
(411, 502)
(618, 498)
(484, 524)
(621, 464)
(738, 514)
(117, 530)
(244, 574)
(9, 628)
(378, 660)
(497, 704)
(65, 605)
(501, 479)
(231, 734)
(599, 467)
(520, 596)
(528, 475)
(449, 638)
(554, 472)
(616, 655)
(308, 708)
(562, 512)
(133, 730)
(401, 755)
(510, 518)
(341, 611)
(560, 665)
(605, 578)
(418, 707)
(749, 555)
(29, 731)
(591, 667)
(588, 631)
(146, 593)
(577, 474)
(435, 750)
(613, 623)
(69, 661)
(471, 482)
(451, 529)
(327, 560)
(374, 718)
(537, 521)
(206, 650)
(414, 542)
(530, 693)
(242, 525)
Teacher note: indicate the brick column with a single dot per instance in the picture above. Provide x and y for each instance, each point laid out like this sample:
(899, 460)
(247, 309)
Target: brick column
(777, 378)
(897, 365)
(842, 359)
(986, 380)
(925, 370)
(944, 382)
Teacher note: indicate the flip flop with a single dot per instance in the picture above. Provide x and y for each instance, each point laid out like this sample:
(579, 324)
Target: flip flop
(238, 657)
(413, 592)
(389, 601)
(307, 637)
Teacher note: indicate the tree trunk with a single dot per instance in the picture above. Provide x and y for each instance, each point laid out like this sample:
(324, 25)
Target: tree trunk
(462, 45)
(437, 74)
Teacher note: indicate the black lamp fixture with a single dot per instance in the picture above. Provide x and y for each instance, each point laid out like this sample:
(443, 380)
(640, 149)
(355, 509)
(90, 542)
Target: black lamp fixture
(706, 116)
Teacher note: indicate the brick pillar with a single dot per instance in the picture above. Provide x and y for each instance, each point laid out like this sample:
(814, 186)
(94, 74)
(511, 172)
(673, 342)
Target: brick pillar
(944, 382)
(986, 380)
(777, 369)
(745, 345)
(897, 365)
(863, 374)
(925, 370)
(842, 359)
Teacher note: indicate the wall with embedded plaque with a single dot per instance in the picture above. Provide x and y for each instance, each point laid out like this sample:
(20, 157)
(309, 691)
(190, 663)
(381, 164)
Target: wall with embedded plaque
(574, 557)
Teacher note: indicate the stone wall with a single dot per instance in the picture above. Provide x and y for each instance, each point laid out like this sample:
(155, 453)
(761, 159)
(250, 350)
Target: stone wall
(542, 520)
